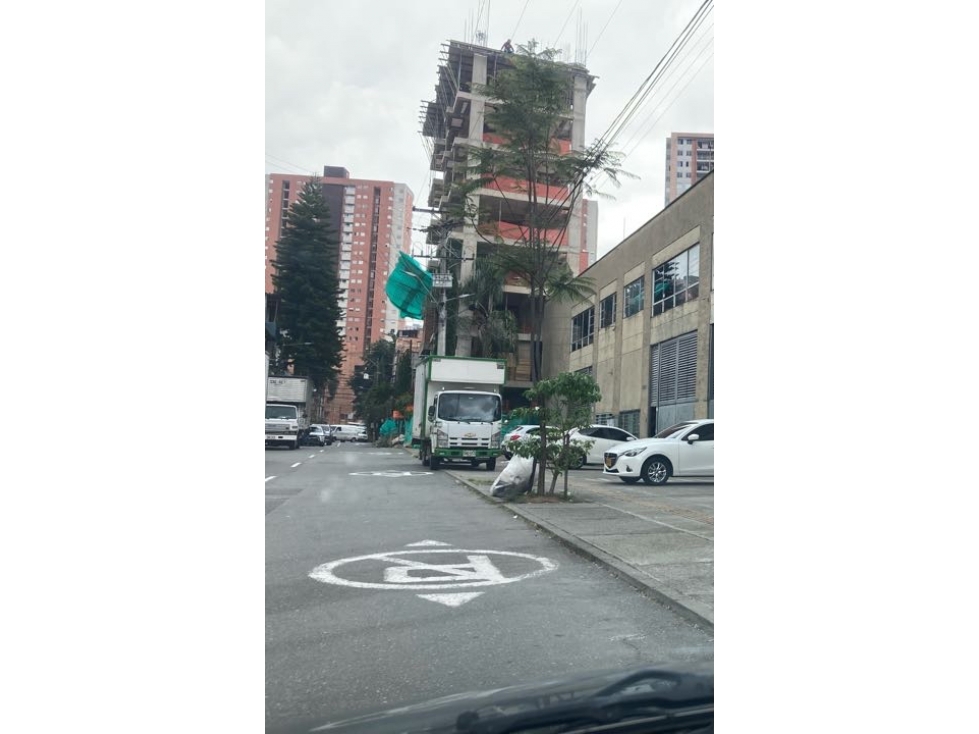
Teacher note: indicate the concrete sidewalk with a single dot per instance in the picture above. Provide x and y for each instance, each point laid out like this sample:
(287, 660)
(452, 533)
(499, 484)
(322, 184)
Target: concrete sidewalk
(660, 539)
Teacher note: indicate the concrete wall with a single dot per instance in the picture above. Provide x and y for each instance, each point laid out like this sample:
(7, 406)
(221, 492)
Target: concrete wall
(619, 355)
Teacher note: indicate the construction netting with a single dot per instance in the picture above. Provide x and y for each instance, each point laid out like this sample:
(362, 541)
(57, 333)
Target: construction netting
(408, 285)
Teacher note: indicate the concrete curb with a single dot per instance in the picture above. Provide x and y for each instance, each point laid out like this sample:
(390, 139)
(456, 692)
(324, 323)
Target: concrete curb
(690, 609)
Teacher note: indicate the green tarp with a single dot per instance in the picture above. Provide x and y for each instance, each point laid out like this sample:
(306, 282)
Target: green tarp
(407, 286)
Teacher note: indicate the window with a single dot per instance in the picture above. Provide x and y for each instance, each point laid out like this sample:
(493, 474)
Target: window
(632, 298)
(586, 371)
(607, 311)
(629, 421)
(673, 370)
(677, 281)
(705, 432)
(583, 329)
(605, 419)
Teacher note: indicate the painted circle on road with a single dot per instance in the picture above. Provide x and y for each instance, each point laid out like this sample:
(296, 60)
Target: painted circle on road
(390, 473)
(477, 570)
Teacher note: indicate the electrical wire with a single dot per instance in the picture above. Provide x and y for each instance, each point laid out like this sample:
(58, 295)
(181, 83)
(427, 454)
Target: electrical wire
(513, 34)
(603, 29)
(561, 32)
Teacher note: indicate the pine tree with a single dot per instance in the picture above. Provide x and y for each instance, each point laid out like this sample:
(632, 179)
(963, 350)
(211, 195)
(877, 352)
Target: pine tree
(307, 258)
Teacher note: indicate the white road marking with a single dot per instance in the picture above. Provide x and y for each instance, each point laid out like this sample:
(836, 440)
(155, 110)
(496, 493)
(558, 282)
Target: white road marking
(479, 571)
(295, 465)
(390, 473)
(452, 600)
(311, 456)
(271, 477)
(425, 543)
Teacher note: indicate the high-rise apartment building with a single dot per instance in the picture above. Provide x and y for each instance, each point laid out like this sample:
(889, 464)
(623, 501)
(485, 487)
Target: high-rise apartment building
(455, 123)
(689, 156)
(373, 221)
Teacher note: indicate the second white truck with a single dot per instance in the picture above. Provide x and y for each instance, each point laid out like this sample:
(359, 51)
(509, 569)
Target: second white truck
(458, 410)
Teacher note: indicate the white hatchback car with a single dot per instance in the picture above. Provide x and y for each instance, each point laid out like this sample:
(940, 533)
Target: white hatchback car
(602, 438)
(683, 450)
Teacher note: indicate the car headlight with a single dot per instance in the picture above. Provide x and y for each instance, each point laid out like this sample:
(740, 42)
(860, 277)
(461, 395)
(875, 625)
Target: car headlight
(632, 452)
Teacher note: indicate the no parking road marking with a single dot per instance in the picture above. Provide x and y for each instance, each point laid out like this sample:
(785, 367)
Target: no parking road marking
(390, 473)
(463, 569)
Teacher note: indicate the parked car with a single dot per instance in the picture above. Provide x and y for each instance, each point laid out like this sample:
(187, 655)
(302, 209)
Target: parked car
(360, 435)
(602, 438)
(328, 430)
(316, 436)
(519, 433)
(682, 450)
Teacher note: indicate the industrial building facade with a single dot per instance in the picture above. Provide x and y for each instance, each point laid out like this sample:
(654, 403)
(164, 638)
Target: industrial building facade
(647, 336)
(373, 222)
(453, 124)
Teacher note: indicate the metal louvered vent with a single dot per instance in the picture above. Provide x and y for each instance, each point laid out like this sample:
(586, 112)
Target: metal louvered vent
(667, 372)
(686, 379)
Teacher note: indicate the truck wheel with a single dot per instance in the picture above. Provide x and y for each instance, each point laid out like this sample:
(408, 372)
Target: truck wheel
(426, 458)
(434, 462)
(491, 464)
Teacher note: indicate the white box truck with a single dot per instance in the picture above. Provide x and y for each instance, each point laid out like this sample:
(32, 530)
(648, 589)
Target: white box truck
(458, 410)
(287, 402)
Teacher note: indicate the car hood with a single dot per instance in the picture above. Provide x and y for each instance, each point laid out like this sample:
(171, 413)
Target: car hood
(640, 443)
(679, 683)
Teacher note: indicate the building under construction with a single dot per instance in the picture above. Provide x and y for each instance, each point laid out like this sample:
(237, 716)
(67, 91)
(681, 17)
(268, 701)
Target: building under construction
(453, 124)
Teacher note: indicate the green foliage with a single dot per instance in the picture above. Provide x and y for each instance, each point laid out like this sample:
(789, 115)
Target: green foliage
(373, 385)
(562, 403)
(306, 280)
(529, 110)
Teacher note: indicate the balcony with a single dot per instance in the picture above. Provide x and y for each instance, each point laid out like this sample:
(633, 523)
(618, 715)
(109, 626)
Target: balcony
(514, 232)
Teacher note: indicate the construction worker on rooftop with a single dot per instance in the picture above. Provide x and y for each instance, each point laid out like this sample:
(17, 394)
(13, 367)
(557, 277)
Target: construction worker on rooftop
(508, 47)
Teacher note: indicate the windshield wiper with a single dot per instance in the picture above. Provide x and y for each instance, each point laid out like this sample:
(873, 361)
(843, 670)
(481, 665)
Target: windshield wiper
(655, 699)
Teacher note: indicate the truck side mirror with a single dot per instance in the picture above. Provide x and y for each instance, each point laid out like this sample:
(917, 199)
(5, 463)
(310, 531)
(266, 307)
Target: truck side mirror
(431, 412)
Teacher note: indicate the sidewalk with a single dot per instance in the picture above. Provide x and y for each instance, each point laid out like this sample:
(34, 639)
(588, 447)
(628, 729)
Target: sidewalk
(660, 539)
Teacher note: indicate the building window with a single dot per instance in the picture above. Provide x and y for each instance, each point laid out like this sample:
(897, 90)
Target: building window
(605, 419)
(586, 371)
(677, 281)
(673, 371)
(629, 421)
(583, 329)
(633, 298)
(607, 310)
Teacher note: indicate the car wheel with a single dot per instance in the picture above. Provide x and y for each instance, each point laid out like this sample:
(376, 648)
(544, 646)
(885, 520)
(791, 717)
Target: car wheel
(629, 480)
(656, 470)
(491, 464)
(507, 455)
(578, 462)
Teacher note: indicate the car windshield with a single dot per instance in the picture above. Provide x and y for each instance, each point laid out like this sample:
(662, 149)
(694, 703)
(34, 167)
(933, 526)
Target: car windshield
(464, 407)
(280, 412)
(675, 430)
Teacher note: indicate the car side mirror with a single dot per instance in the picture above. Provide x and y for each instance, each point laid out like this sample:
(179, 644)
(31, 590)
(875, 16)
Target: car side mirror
(631, 438)
(693, 437)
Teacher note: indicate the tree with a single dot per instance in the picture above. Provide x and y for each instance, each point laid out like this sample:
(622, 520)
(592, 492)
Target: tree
(305, 277)
(528, 111)
(373, 387)
(563, 403)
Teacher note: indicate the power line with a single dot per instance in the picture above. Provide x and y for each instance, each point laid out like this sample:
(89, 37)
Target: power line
(287, 163)
(561, 32)
(603, 29)
(514, 33)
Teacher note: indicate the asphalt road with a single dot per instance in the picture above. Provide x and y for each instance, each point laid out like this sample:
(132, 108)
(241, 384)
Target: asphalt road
(467, 598)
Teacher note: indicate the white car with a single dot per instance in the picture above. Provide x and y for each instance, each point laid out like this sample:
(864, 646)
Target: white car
(523, 433)
(683, 450)
(603, 438)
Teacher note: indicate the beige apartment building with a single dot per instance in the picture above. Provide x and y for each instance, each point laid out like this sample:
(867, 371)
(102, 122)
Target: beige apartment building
(648, 335)
(689, 157)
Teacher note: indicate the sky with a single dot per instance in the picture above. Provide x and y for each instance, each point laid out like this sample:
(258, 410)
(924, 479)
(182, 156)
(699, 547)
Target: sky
(345, 82)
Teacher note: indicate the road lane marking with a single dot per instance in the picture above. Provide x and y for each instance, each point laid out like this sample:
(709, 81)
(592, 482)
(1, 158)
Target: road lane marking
(427, 543)
(295, 465)
(390, 473)
(451, 600)
(271, 477)
(311, 456)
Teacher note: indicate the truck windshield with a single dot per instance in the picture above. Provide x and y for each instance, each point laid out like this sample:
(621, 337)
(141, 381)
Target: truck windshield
(280, 411)
(465, 407)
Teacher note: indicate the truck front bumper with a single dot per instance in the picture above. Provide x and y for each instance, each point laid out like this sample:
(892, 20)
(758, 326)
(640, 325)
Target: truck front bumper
(466, 453)
(277, 438)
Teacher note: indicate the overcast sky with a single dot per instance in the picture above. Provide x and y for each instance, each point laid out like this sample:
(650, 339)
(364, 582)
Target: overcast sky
(345, 81)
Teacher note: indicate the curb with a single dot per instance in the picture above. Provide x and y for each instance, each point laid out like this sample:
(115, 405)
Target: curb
(690, 609)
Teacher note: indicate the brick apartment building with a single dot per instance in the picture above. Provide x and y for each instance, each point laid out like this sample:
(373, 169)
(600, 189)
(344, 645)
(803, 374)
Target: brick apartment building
(689, 157)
